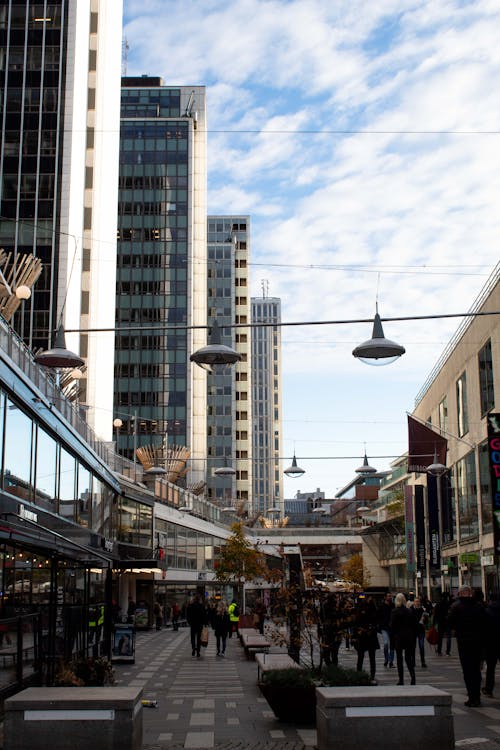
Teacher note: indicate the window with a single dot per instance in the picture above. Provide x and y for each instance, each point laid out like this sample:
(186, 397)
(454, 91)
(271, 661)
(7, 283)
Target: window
(486, 392)
(462, 412)
(485, 485)
(443, 415)
(466, 486)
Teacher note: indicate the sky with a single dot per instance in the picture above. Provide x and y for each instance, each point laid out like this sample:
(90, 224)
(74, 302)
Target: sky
(363, 140)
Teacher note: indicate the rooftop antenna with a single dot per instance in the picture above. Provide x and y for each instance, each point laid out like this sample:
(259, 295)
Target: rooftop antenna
(265, 288)
(125, 49)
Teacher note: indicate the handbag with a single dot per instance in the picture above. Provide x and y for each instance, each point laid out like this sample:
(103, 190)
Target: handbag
(432, 636)
(204, 636)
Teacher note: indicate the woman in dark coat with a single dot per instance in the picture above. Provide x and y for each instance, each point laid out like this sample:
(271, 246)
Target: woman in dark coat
(221, 625)
(404, 626)
(364, 635)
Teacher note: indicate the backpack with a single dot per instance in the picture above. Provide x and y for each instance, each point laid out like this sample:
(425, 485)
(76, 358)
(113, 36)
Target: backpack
(236, 611)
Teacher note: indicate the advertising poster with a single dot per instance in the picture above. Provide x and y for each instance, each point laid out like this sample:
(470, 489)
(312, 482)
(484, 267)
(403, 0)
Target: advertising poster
(494, 456)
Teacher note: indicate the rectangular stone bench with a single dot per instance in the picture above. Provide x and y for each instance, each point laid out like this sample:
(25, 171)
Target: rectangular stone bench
(244, 632)
(384, 718)
(74, 718)
(266, 661)
(255, 643)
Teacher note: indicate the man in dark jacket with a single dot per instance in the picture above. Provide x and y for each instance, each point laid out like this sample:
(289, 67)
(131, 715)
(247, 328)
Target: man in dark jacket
(492, 643)
(196, 615)
(468, 620)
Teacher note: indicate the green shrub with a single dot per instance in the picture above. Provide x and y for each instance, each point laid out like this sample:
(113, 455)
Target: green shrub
(333, 676)
(290, 677)
(330, 676)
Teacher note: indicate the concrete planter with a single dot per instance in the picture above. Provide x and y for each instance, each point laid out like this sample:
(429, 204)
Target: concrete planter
(295, 705)
(384, 718)
(77, 718)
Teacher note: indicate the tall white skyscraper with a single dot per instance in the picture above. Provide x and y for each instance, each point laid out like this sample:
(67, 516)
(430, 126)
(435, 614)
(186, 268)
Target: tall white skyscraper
(229, 391)
(266, 404)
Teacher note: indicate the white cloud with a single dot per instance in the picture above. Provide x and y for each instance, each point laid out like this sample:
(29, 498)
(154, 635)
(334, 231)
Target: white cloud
(391, 198)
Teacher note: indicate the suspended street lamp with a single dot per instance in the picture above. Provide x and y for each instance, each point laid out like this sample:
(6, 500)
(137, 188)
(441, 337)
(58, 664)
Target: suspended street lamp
(378, 350)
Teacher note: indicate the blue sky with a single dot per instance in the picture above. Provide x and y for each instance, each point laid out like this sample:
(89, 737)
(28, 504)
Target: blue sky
(372, 166)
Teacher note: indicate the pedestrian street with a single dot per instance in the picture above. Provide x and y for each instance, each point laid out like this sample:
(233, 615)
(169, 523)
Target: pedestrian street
(213, 702)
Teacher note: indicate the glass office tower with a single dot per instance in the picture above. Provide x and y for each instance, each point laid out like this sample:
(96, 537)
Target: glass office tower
(60, 97)
(161, 275)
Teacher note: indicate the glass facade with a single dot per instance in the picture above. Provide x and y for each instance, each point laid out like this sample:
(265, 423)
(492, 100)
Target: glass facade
(38, 468)
(152, 274)
(32, 39)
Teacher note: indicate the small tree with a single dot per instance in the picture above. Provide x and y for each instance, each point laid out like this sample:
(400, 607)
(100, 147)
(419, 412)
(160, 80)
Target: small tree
(239, 561)
(355, 571)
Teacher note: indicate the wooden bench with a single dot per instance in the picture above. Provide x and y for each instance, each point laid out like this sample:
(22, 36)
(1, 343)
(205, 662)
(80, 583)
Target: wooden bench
(266, 661)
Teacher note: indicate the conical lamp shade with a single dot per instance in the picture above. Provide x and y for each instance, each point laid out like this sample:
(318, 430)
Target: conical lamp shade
(378, 350)
(59, 356)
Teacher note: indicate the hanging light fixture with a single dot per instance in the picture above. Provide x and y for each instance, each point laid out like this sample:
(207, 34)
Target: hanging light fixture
(59, 356)
(225, 470)
(215, 352)
(436, 468)
(378, 350)
(365, 468)
(294, 471)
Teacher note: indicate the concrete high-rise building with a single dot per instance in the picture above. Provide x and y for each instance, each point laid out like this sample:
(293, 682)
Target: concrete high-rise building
(60, 85)
(162, 269)
(229, 392)
(266, 404)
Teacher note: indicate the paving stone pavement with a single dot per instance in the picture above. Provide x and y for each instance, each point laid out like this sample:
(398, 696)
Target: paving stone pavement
(215, 703)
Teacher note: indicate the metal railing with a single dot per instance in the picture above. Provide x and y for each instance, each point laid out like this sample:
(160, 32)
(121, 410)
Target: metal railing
(479, 301)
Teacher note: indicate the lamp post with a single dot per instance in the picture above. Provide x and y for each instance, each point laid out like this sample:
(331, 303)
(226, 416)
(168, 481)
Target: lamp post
(436, 469)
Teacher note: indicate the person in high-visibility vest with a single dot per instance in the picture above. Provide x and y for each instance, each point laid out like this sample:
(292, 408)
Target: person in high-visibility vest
(96, 622)
(234, 617)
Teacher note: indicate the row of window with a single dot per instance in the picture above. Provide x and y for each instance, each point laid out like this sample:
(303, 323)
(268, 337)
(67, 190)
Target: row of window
(159, 182)
(36, 467)
(486, 393)
(146, 234)
(30, 58)
(37, 16)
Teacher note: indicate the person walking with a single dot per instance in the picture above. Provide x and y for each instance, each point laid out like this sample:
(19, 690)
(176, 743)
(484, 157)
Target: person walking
(330, 624)
(158, 614)
(176, 613)
(468, 620)
(222, 627)
(440, 622)
(422, 619)
(404, 627)
(492, 643)
(364, 634)
(384, 619)
(196, 616)
(259, 613)
(234, 616)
